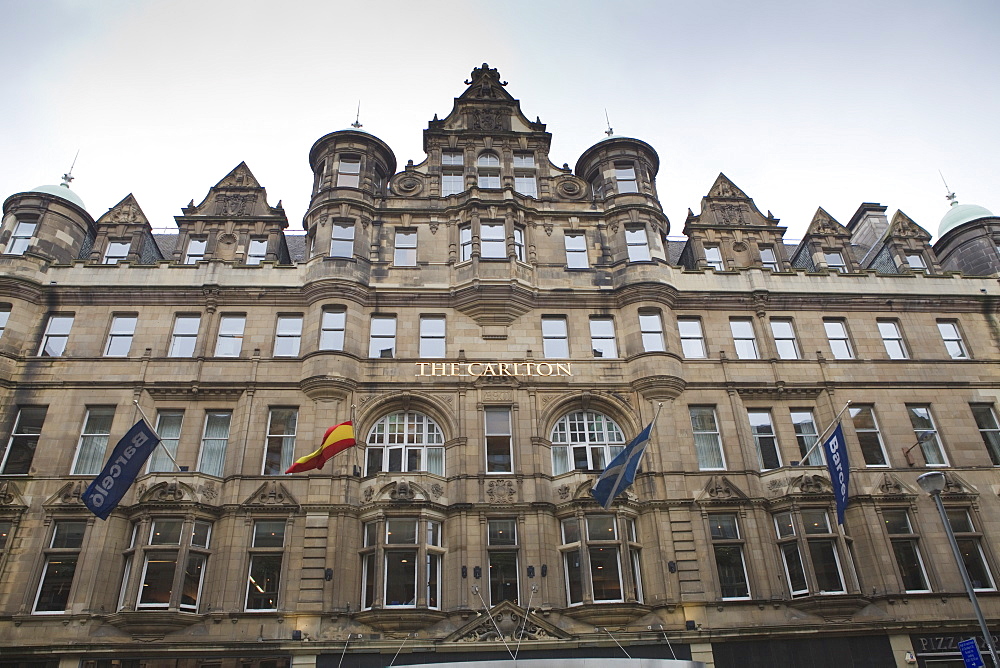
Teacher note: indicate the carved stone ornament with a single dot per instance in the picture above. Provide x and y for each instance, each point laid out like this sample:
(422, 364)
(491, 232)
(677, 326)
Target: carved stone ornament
(890, 486)
(7, 493)
(484, 84)
(487, 120)
(234, 205)
(812, 484)
(72, 493)
(563, 492)
(501, 491)
(740, 246)
(513, 625)
(227, 239)
(720, 489)
(402, 491)
(433, 228)
(548, 229)
(730, 214)
(208, 490)
(164, 492)
(271, 493)
(408, 185)
(570, 187)
(437, 490)
(369, 494)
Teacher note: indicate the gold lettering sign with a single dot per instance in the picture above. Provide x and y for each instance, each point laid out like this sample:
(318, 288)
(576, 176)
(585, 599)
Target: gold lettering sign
(477, 369)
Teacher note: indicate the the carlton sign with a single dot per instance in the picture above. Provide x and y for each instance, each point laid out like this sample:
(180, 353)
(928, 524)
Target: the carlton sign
(477, 369)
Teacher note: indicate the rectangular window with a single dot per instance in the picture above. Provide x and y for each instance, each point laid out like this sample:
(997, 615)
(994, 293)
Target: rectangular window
(651, 329)
(20, 239)
(905, 549)
(60, 567)
(405, 248)
(625, 177)
(349, 172)
(489, 179)
(195, 250)
(493, 241)
(916, 261)
(806, 435)
(93, 440)
(214, 440)
(713, 257)
(182, 341)
(866, 428)
(382, 341)
(791, 557)
(288, 336)
(331, 335)
(969, 544)
(835, 261)
(784, 338)
(524, 160)
(744, 338)
(602, 337)
(765, 439)
(728, 547)
(926, 434)
(892, 338)
(4, 317)
(229, 343)
(576, 250)
(502, 533)
(519, 243)
(56, 336)
(453, 158)
(120, 337)
(692, 338)
(264, 579)
(401, 578)
(257, 251)
(707, 441)
(498, 440)
(822, 551)
(952, 338)
(279, 448)
(452, 182)
(768, 259)
(116, 252)
(840, 344)
(989, 430)
(465, 242)
(168, 426)
(637, 244)
(342, 240)
(24, 440)
(432, 333)
(526, 184)
(555, 339)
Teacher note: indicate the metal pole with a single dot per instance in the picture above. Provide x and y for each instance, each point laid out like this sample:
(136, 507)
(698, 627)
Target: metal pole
(965, 578)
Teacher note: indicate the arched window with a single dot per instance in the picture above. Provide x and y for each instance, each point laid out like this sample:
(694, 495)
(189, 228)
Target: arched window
(585, 440)
(489, 170)
(405, 441)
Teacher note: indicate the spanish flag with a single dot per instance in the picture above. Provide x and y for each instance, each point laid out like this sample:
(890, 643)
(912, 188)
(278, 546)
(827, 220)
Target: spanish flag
(336, 439)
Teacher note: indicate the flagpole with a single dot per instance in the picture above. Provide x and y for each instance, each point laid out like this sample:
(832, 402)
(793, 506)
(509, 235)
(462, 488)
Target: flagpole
(160, 444)
(819, 436)
(611, 497)
(357, 467)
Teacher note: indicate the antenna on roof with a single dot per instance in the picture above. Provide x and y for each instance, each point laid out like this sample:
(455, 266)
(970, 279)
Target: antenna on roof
(950, 196)
(68, 176)
(357, 119)
(609, 131)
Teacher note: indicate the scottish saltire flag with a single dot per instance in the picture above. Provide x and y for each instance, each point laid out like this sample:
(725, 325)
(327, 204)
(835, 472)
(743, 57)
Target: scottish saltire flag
(840, 470)
(620, 473)
(124, 464)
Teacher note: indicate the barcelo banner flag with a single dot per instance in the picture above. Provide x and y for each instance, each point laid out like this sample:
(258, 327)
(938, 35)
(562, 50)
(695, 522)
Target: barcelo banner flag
(336, 439)
(110, 485)
(840, 471)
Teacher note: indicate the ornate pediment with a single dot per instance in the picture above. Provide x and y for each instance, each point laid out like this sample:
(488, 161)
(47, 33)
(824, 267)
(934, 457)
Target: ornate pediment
(166, 492)
(237, 196)
(726, 205)
(824, 225)
(902, 226)
(10, 496)
(70, 494)
(398, 491)
(805, 484)
(484, 84)
(956, 486)
(508, 622)
(889, 485)
(271, 495)
(720, 489)
(126, 212)
(724, 188)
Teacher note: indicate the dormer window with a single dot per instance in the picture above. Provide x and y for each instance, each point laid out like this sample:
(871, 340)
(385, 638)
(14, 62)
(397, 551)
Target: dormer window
(524, 174)
(835, 261)
(713, 258)
(452, 179)
(195, 250)
(489, 170)
(349, 172)
(257, 251)
(768, 260)
(116, 252)
(916, 261)
(625, 177)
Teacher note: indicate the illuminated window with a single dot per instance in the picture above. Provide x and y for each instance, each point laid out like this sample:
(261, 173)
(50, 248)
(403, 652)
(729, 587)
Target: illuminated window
(266, 552)
(173, 558)
(592, 549)
(502, 550)
(410, 552)
(61, 557)
(727, 545)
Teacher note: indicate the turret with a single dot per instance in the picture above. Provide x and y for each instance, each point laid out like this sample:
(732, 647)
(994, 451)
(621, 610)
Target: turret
(49, 222)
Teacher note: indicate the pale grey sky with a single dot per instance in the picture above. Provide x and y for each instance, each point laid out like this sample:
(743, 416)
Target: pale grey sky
(801, 104)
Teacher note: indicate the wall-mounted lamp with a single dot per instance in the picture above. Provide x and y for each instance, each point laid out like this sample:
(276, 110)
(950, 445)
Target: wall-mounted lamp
(690, 625)
(545, 570)
(531, 571)
(328, 574)
(465, 572)
(672, 566)
(477, 572)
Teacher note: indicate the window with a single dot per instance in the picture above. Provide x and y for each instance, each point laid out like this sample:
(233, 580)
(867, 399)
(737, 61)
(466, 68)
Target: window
(331, 335)
(499, 457)
(93, 440)
(502, 542)
(637, 244)
(602, 337)
(405, 254)
(713, 257)
(60, 566)
(952, 339)
(784, 338)
(926, 434)
(4, 317)
(840, 344)
(405, 441)
(989, 430)
(257, 251)
(625, 177)
(597, 186)
(692, 338)
(6, 531)
(744, 338)
(806, 435)
(727, 544)
(402, 544)
(279, 447)
(56, 336)
(835, 261)
(651, 329)
(969, 544)
(349, 172)
(120, 336)
(866, 429)
(452, 158)
(23, 440)
(524, 160)
(489, 170)
(707, 442)
(591, 552)
(116, 252)
(465, 242)
(765, 440)
(576, 250)
(555, 340)
(20, 238)
(382, 342)
(195, 250)
(916, 261)
(432, 341)
(493, 241)
(892, 338)
(590, 438)
(768, 259)
(526, 184)
(452, 180)
(519, 243)
(168, 426)
(905, 549)
(288, 336)
(182, 342)
(230, 340)
(213, 443)
(342, 240)
(174, 557)
(264, 578)
(819, 546)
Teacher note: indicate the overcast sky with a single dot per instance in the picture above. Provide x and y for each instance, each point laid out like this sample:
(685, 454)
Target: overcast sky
(801, 104)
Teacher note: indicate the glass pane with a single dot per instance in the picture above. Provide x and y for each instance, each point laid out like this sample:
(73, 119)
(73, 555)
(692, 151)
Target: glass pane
(826, 566)
(199, 537)
(785, 526)
(166, 532)
(897, 521)
(502, 532)
(793, 568)
(53, 594)
(723, 526)
(68, 534)
(815, 521)
(157, 585)
(401, 577)
(604, 574)
(191, 587)
(270, 533)
(263, 581)
(571, 530)
(497, 421)
(959, 520)
(601, 527)
(972, 556)
(401, 531)
(732, 576)
(434, 533)
(910, 568)
(503, 577)
(574, 576)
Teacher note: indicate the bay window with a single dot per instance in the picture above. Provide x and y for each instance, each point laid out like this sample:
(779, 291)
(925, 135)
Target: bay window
(401, 563)
(592, 550)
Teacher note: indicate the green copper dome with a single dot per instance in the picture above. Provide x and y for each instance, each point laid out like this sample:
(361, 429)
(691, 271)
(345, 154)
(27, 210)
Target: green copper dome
(62, 191)
(960, 214)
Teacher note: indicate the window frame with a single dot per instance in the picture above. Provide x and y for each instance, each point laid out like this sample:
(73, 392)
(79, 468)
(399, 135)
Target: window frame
(601, 339)
(427, 550)
(255, 254)
(117, 334)
(491, 246)
(785, 343)
(380, 337)
(744, 346)
(404, 247)
(333, 328)
(58, 340)
(806, 440)
(974, 536)
(856, 410)
(180, 340)
(626, 177)
(279, 447)
(497, 582)
(63, 553)
(954, 344)
(342, 235)
(207, 442)
(555, 349)
(584, 440)
(912, 539)
(195, 250)
(116, 257)
(230, 343)
(403, 436)
(637, 243)
(928, 434)
(24, 439)
(713, 258)
(710, 437)
(288, 342)
(348, 171)
(892, 338)
(498, 459)
(183, 549)
(839, 263)
(583, 541)
(763, 432)
(770, 261)
(433, 344)
(989, 430)
(261, 552)
(94, 441)
(20, 237)
(158, 462)
(576, 253)
(845, 350)
(651, 331)
(688, 341)
(721, 539)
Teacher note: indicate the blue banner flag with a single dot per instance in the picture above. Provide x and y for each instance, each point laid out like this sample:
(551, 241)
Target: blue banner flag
(120, 472)
(840, 471)
(620, 473)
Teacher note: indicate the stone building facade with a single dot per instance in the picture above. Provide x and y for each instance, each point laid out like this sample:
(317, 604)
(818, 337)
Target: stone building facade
(497, 327)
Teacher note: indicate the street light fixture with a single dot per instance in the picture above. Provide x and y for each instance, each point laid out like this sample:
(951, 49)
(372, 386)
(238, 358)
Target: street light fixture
(933, 483)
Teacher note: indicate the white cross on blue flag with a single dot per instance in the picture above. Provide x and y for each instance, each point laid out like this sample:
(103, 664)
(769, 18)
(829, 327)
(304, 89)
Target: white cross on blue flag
(620, 473)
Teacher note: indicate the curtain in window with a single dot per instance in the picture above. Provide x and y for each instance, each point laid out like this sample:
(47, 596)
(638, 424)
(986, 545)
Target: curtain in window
(213, 447)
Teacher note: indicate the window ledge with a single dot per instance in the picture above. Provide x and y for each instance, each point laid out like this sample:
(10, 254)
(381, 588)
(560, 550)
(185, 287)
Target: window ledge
(830, 606)
(153, 622)
(607, 614)
(400, 619)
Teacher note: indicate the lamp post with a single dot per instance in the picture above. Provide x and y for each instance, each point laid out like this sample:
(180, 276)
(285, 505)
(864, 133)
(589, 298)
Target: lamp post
(933, 483)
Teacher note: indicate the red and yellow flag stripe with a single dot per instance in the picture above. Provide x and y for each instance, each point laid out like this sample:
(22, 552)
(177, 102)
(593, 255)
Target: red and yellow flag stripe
(336, 439)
